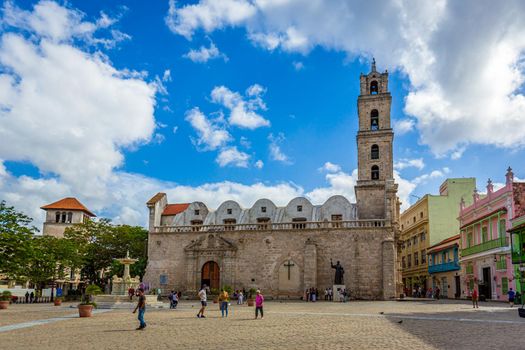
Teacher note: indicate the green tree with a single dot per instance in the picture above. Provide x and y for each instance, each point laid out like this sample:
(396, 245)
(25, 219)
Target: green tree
(100, 242)
(16, 235)
(50, 258)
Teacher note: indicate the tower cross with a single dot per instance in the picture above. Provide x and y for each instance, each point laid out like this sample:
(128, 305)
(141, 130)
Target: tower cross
(289, 266)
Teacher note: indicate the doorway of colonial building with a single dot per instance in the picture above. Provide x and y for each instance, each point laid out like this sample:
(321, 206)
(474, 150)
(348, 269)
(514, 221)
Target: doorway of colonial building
(457, 295)
(210, 275)
(486, 288)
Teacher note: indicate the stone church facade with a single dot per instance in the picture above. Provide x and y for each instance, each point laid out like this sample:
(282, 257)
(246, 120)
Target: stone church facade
(284, 250)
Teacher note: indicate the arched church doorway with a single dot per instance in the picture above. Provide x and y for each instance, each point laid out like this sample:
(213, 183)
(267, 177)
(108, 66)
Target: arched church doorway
(211, 275)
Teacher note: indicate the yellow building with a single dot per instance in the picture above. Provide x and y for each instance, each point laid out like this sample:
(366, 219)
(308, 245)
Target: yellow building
(427, 222)
(414, 244)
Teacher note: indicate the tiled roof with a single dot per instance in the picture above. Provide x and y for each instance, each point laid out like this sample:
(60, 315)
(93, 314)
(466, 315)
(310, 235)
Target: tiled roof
(445, 241)
(174, 209)
(68, 203)
(156, 198)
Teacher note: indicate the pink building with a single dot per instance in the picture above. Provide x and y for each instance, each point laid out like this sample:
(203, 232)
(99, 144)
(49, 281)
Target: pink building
(485, 244)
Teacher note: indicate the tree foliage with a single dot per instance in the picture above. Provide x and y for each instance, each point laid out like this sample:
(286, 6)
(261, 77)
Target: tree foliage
(15, 241)
(91, 247)
(100, 243)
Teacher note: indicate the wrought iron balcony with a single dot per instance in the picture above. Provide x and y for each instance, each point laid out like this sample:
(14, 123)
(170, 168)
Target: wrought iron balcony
(299, 225)
(450, 266)
(495, 243)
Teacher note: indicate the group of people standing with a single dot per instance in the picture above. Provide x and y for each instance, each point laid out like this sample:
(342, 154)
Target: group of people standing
(419, 292)
(224, 301)
(311, 294)
(174, 297)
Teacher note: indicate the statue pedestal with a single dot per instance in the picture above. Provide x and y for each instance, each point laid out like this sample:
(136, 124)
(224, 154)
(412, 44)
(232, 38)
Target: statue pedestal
(335, 291)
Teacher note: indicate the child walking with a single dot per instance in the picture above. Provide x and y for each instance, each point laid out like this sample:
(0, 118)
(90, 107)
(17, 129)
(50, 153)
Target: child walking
(259, 300)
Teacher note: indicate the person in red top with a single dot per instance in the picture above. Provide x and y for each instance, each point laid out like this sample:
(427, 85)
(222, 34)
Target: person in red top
(259, 300)
(475, 299)
(131, 292)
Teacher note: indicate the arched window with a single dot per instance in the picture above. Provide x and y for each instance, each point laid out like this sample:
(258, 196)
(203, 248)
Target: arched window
(374, 88)
(375, 172)
(69, 217)
(374, 120)
(374, 152)
(57, 216)
(63, 217)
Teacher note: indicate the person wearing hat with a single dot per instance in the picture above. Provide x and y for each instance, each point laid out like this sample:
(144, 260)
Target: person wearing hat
(259, 300)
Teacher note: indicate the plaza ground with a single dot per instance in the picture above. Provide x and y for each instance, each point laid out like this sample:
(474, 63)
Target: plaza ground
(286, 325)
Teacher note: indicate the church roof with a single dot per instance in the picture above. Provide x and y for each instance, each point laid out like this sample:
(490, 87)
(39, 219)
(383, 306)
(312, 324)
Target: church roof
(156, 198)
(174, 209)
(68, 203)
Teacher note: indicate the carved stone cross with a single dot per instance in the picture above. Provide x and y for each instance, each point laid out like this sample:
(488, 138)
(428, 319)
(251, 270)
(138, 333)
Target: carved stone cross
(289, 266)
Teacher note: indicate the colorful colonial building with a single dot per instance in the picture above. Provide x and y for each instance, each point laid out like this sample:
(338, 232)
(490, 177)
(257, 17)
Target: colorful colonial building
(485, 245)
(517, 238)
(427, 222)
(443, 267)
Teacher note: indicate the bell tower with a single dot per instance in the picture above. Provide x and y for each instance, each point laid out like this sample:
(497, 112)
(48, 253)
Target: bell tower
(376, 191)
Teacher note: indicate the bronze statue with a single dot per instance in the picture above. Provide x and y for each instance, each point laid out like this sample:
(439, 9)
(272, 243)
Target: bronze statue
(339, 272)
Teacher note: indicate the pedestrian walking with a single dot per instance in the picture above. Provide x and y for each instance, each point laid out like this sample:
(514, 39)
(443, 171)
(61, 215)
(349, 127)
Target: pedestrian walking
(202, 297)
(31, 297)
(27, 297)
(240, 298)
(224, 299)
(141, 306)
(259, 301)
(511, 295)
(330, 294)
(475, 299)
(131, 293)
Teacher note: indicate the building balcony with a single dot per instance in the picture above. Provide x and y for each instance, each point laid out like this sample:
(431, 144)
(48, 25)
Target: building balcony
(501, 265)
(470, 269)
(299, 225)
(450, 266)
(493, 244)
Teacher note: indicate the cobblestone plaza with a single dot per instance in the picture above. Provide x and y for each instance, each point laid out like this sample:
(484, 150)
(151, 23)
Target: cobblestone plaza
(286, 325)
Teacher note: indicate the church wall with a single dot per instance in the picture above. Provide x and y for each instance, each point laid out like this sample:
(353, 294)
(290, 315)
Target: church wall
(260, 254)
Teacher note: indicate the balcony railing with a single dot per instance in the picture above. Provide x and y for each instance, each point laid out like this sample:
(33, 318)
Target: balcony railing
(300, 225)
(495, 243)
(501, 265)
(450, 266)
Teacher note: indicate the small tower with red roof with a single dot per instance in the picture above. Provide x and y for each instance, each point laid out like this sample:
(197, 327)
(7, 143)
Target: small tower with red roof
(64, 213)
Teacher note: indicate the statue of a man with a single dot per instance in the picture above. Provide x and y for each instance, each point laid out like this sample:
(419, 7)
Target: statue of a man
(339, 272)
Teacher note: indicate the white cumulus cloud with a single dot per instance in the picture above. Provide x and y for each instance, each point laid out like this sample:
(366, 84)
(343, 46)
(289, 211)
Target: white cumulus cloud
(204, 54)
(232, 156)
(463, 59)
(67, 111)
(211, 135)
(242, 111)
(409, 163)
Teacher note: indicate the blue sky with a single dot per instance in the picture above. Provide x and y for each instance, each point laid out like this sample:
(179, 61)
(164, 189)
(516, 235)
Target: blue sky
(449, 121)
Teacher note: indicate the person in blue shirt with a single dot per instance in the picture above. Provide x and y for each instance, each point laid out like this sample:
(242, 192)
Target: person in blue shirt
(511, 295)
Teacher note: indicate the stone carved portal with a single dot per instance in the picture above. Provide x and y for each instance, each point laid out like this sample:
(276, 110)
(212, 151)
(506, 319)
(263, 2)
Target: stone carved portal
(289, 277)
(210, 275)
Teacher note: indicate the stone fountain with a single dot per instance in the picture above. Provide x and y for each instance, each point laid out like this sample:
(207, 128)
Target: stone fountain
(119, 289)
(120, 285)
